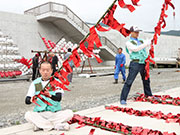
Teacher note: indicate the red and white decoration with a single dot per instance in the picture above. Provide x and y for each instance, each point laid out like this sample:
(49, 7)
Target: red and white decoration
(11, 63)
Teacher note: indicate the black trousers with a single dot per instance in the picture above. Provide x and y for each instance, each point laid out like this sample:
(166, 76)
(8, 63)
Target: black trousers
(134, 69)
(34, 74)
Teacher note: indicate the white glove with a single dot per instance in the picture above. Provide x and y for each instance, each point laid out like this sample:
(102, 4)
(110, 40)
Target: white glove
(147, 42)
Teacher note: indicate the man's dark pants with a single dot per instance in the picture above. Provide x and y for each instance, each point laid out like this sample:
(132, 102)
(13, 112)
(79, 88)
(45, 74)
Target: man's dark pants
(34, 73)
(134, 69)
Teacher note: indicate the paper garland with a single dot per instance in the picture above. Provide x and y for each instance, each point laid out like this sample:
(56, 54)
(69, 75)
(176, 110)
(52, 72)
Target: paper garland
(114, 127)
(144, 113)
(157, 99)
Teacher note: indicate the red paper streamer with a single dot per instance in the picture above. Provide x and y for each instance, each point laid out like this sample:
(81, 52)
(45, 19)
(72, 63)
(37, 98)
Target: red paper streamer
(92, 132)
(76, 58)
(114, 24)
(54, 83)
(135, 2)
(93, 38)
(63, 78)
(100, 28)
(89, 53)
(161, 24)
(128, 6)
(66, 66)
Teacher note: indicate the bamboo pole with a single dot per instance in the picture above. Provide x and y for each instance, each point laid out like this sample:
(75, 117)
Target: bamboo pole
(86, 35)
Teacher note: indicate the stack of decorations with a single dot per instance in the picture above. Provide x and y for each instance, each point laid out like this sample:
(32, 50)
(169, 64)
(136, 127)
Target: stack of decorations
(9, 67)
(61, 48)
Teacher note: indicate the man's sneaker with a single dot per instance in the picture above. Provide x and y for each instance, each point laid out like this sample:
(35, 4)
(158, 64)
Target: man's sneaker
(62, 127)
(156, 98)
(123, 102)
(47, 129)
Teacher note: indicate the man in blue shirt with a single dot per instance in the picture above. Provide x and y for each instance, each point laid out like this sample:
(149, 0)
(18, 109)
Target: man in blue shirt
(120, 66)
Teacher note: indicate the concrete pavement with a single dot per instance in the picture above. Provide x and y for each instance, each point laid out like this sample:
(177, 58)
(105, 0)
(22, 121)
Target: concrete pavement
(109, 115)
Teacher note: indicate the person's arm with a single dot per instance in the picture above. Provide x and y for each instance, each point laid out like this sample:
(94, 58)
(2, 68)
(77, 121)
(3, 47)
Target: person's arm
(57, 97)
(28, 100)
(133, 48)
(30, 94)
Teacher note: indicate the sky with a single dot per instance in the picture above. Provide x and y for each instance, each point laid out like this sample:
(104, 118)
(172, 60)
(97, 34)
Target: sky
(145, 16)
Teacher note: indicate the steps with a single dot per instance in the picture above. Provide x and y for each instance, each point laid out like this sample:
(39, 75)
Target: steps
(68, 22)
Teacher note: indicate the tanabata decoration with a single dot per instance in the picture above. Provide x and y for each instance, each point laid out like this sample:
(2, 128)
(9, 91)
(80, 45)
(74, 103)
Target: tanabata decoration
(88, 52)
(161, 24)
(49, 45)
(128, 6)
(135, 2)
(24, 61)
(102, 29)
(10, 74)
(92, 132)
(164, 99)
(113, 23)
(114, 127)
(75, 58)
(169, 118)
(93, 39)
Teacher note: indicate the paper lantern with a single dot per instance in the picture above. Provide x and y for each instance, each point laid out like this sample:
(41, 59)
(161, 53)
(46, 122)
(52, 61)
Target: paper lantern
(2, 74)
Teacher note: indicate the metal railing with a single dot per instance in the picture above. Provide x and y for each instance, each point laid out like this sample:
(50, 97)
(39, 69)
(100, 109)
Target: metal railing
(58, 8)
(109, 44)
(63, 9)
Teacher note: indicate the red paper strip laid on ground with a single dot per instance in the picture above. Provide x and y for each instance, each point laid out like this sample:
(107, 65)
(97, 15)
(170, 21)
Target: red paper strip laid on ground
(147, 113)
(158, 100)
(114, 127)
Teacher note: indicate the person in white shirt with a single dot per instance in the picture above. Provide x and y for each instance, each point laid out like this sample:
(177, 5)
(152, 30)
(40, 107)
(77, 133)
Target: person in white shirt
(135, 47)
(47, 117)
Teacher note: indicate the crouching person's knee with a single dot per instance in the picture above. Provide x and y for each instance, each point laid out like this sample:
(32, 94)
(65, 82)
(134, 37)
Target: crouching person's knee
(27, 115)
(70, 114)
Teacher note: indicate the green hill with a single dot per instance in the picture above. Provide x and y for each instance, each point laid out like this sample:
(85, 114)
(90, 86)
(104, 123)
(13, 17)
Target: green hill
(171, 33)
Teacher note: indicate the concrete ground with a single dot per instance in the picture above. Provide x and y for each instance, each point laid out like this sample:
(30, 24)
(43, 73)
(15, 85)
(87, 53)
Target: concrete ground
(86, 93)
(109, 115)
